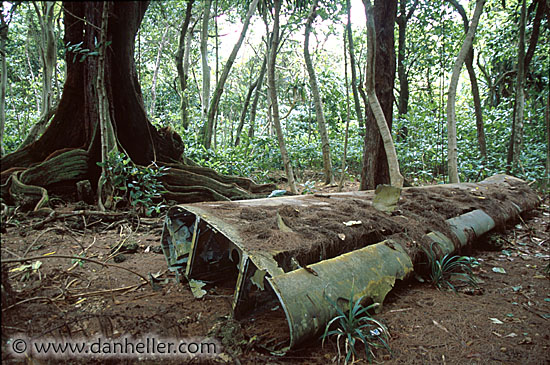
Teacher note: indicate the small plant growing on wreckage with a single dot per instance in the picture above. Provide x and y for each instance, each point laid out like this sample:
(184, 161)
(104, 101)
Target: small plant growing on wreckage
(138, 186)
(444, 270)
(356, 326)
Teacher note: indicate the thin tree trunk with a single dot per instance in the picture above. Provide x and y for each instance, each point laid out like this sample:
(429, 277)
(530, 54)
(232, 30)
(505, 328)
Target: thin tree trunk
(325, 144)
(475, 89)
(48, 58)
(182, 57)
(547, 120)
(451, 114)
(225, 73)
(375, 169)
(48, 51)
(3, 76)
(403, 106)
(254, 86)
(108, 139)
(356, 102)
(514, 149)
(520, 92)
(204, 60)
(217, 73)
(257, 95)
(346, 135)
(396, 178)
(533, 40)
(156, 72)
(273, 96)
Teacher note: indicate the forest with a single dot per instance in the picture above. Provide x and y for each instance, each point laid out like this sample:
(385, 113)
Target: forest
(112, 113)
(227, 122)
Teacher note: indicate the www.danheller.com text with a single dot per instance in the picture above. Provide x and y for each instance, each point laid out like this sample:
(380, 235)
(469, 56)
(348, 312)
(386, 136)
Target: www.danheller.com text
(143, 347)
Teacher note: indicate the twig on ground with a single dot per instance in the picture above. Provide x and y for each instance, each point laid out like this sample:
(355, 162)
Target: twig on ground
(26, 301)
(37, 238)
(83, 252)
(73, 258)
(56, 216)
(106, 291)
(10, 252)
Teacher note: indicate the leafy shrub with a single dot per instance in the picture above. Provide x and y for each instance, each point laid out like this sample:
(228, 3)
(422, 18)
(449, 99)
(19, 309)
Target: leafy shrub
(136, 186)
(444, 270)
(356, 326)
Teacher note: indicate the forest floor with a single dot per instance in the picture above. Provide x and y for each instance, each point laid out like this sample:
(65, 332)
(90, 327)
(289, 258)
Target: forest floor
(506, 321)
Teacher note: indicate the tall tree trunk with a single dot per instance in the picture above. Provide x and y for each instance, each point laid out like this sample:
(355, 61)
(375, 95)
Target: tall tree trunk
(451, 114)
(254, 106)
(273, 96)
(254, 86)
(75, 123)
(3, 76)
(473, 82)
(204, 60)
(375, 169)
(48, 59)
(346, 134)
(212, 111)
(396, 179)
(356, 102)
(325, 144)
(108, 138)
(542, 6)
(517, 130)
(402, 20)
(401, 71)
(547, 121)
(182, 55)
(524, 59)
(156, 71)
(48, 50)
(73, 138)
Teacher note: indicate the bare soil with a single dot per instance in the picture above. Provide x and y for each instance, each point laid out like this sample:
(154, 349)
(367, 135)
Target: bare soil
(505, 321)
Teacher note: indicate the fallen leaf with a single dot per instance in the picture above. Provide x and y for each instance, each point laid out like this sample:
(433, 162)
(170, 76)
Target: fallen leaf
(386, 198)
(276, 193)
(499, 270)
(342, 236)
(440, 326)
(196, 288)
(282, 225)
(511, 334)
(352, 223)
(496, 321)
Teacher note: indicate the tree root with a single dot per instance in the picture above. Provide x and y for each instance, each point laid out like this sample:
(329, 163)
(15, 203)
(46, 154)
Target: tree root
(28, 187)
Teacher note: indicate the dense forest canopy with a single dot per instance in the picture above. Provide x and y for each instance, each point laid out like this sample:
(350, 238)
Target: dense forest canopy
(227, 121)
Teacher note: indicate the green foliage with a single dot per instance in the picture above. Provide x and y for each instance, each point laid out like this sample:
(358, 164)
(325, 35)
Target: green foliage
(354, 326)
(77, 50)
(136, 186)
(444, 270)
(434, 36)
(79, 262)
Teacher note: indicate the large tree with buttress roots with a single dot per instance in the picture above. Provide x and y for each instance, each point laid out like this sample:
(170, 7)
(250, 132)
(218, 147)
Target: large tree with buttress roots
(101, 97)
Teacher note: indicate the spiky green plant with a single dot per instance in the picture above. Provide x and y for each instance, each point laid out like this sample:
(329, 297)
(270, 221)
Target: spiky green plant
(444, 270)
(356, 326)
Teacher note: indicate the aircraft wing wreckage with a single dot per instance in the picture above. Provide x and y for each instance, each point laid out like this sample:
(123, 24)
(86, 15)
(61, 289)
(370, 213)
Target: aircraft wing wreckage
(291, 253)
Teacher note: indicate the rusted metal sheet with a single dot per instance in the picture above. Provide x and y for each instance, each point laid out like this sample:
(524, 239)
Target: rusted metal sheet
(205, 242)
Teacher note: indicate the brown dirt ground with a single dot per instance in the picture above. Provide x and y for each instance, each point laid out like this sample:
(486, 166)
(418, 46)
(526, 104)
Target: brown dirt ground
(426, 325)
